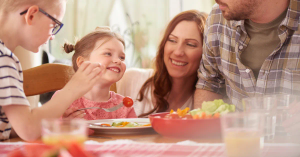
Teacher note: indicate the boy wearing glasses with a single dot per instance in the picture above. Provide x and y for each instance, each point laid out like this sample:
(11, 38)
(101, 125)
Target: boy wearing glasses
(31, 23)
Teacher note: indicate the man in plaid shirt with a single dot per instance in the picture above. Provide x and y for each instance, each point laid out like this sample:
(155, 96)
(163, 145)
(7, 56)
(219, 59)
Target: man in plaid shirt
(251, 48)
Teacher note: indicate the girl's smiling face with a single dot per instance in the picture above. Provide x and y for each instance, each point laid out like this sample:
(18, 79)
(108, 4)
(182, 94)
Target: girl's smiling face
(110, 53)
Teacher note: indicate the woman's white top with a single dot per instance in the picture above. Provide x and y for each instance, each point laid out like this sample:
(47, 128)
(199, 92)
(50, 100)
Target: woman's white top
(130, 85)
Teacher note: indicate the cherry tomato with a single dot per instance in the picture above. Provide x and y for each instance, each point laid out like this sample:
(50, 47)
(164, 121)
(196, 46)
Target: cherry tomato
(127, 101)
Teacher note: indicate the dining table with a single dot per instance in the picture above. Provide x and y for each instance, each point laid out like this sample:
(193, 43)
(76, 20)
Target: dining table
(142, 138)
(154, 144)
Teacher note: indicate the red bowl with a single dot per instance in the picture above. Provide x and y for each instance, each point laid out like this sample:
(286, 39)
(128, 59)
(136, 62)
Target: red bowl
(185, 128)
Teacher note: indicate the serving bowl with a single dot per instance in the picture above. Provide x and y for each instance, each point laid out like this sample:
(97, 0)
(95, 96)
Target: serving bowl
(185, 128)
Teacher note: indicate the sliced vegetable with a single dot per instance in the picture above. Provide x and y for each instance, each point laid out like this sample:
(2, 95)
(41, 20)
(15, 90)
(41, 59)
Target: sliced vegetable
(126, 124)
(147, 124)
(108, 125)
(216, 115)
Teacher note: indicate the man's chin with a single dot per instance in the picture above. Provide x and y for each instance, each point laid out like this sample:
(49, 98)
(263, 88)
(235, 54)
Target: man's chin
(228, 17)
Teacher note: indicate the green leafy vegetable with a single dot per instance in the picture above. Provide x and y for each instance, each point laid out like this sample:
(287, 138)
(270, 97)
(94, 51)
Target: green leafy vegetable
(212, 107)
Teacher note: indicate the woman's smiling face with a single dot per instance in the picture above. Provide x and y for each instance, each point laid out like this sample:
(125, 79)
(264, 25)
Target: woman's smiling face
(183, 50)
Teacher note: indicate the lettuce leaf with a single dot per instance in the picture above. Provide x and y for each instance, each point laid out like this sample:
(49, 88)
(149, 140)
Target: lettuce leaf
(212, 107)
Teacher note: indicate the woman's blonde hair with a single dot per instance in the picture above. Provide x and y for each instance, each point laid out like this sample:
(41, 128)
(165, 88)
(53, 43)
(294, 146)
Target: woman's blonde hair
(161, 80)
(12, 5)
(85, 45)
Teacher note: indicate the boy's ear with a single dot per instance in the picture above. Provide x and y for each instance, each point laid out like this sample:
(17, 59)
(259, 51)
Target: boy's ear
(79, 61)
(31, 13)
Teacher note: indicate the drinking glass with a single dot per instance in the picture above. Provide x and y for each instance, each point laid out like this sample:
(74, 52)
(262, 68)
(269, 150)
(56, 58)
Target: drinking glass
(243, 134)
(285, 102)
(266, 105)
(55, 131)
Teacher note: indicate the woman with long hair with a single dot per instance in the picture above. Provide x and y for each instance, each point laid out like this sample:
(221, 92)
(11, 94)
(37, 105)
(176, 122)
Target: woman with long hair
(171, 84)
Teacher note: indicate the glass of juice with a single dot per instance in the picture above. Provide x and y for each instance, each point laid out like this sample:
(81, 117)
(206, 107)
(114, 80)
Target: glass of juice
(56, 131)
(243, 134)
(266, 105)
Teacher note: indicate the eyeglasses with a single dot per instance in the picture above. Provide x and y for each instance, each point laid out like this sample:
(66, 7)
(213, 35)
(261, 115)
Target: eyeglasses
(58, 25)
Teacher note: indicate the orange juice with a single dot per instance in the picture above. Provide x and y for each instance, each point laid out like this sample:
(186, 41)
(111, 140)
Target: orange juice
(63, 138)
(243, 144)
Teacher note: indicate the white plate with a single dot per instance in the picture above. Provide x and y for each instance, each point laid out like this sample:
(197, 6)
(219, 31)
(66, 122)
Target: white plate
(121, 130)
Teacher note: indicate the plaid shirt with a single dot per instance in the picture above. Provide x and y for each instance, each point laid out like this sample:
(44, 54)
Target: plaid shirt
(221, 67)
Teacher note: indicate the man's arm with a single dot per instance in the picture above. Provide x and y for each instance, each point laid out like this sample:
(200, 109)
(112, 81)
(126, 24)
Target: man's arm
(211, 83)
(204, 95)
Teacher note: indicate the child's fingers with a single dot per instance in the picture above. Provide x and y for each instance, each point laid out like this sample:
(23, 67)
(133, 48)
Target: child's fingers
(77, 114)
(81, 115)
(95, 78)
(96, 74)
(91, 67)
(69, 111)
(72, 113)
(83, 66)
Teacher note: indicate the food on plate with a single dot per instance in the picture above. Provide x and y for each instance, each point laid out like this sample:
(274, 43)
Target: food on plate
(122, 124)
(127, 124)
(107, 125)
(127, 101)
(210, 109)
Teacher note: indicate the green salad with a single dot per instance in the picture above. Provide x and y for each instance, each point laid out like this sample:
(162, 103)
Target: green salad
(212, 107)
(125, 124)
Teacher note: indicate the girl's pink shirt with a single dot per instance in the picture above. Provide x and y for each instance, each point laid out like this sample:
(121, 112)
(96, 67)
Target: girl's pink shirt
(93, 114)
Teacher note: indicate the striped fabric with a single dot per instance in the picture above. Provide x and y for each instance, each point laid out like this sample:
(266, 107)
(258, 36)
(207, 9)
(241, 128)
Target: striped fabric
(11, 87)
(118, 148)
(222, 70)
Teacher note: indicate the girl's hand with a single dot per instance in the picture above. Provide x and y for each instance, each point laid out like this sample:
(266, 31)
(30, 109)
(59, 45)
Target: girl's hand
(71, 113)
(84, 79)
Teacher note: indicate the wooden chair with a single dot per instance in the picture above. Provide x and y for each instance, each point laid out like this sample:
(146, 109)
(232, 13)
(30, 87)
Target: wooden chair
(48, 77)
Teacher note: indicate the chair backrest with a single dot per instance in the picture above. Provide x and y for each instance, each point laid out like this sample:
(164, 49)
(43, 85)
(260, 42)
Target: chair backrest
(47, 78)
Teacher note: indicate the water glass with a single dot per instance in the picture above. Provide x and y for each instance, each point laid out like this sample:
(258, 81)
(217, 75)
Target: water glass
(55, 131)
(266, 105)
(285, 102)
(243, 134)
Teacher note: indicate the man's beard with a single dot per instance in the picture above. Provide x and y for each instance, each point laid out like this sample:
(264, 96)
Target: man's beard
(242, 12)
(236, 15)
